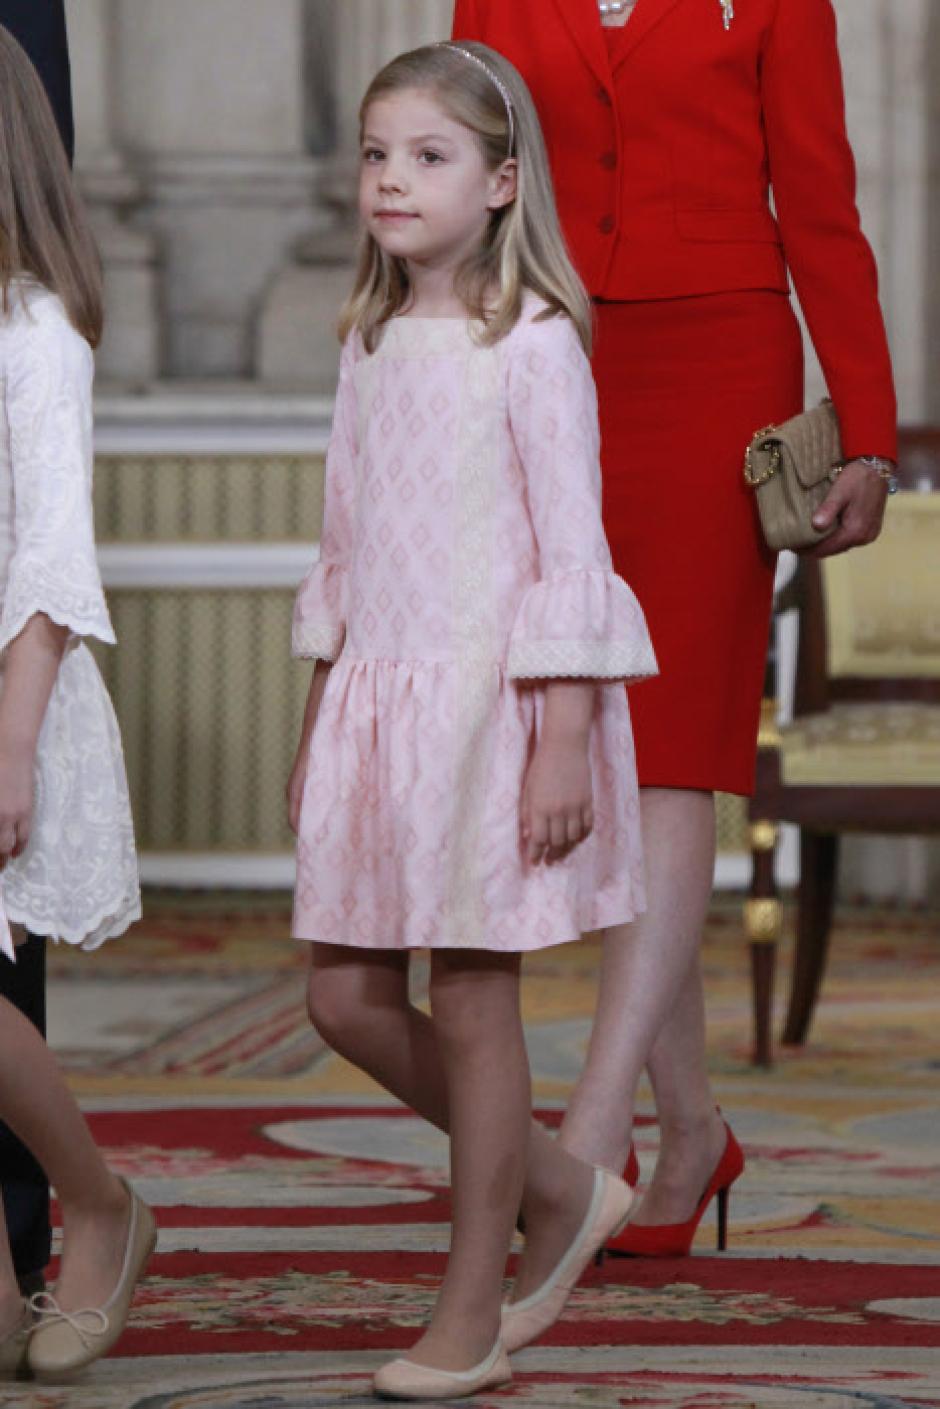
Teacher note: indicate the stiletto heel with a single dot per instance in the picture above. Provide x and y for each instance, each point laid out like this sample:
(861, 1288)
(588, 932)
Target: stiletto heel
(723, 1199)
(675, 1239)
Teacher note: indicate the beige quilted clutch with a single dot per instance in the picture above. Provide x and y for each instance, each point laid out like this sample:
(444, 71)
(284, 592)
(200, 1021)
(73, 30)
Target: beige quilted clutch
(791, 469)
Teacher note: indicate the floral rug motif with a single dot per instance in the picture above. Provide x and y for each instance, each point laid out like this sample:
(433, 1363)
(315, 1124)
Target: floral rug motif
(303, 1215)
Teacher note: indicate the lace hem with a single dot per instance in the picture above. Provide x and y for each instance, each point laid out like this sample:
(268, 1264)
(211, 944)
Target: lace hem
(317, 641)
(33, 589)
(598, 660)
(77, 879)
(112, 919)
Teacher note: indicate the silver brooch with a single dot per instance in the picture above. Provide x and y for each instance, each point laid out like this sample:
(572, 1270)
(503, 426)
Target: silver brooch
(727, 12)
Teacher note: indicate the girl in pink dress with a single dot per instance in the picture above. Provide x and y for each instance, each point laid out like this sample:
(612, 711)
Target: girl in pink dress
(465, 778)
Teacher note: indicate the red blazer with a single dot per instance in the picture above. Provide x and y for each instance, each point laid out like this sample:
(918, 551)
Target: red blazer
(663, 164)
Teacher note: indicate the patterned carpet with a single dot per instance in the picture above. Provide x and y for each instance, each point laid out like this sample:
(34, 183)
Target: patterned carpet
(303, 1215)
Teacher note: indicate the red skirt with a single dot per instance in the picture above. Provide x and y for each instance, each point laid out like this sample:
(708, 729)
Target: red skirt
(683, 384)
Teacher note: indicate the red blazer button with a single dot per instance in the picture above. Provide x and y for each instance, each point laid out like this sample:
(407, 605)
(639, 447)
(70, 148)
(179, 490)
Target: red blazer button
(609, 161)
(606, 226)
(604, 97)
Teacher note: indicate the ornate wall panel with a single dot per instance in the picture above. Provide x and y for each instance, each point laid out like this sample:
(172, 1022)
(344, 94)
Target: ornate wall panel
(210, 705)
(209, 498)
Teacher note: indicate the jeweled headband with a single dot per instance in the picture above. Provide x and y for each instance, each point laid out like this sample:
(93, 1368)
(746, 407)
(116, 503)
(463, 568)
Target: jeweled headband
(495, 79)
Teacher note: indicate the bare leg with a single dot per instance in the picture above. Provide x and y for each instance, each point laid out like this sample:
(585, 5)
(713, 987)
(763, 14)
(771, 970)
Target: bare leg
(650, 1010)
(358, 1001)
(475, 1010)
(691, 1133)
(38, 1106)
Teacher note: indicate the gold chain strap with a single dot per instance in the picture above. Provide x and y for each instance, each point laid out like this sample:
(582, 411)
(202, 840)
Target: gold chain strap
(752, 477)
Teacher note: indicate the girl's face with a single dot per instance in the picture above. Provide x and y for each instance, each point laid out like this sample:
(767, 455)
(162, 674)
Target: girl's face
(425, 193)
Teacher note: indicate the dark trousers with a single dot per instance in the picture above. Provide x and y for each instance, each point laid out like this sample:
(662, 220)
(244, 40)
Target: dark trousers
(25, 1187)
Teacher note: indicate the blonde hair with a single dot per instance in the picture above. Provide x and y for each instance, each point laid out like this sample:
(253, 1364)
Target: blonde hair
(43, 228)
(523, 248)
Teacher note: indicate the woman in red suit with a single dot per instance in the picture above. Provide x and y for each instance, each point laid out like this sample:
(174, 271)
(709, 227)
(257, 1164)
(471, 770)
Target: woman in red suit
(668, 123)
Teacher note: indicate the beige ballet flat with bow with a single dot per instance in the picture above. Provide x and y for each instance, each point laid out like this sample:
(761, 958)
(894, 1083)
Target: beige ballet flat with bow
(406, 1379)
(524, 1321)
(64, 1342)
(13, 1348)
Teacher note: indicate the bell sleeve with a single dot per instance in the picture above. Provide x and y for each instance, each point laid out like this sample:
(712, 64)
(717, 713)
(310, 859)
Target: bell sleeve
(319, 626)
(53, 569)
(579, 618)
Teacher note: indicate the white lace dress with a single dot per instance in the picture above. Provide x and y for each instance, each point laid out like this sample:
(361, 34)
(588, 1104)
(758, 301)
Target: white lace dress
(77, 879)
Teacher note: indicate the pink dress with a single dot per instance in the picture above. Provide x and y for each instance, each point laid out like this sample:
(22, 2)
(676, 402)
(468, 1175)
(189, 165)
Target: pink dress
(462, 562)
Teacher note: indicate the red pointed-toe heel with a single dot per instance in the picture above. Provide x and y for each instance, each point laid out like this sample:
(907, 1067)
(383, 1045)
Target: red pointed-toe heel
(675, 1239)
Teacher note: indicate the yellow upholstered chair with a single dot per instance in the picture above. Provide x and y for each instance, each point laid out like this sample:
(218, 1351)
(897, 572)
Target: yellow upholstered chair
(863, 751)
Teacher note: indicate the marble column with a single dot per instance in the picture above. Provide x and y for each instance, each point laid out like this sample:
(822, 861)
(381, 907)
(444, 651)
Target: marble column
(129, 351)
(212, 103)
(363, 46)
(891, 105)
(294, 344)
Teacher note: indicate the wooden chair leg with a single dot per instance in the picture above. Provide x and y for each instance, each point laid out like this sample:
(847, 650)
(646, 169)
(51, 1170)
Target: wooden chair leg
(819, 858)
(762, 921)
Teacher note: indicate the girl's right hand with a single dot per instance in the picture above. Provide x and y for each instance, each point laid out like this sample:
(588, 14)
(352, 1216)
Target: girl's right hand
(17, 786)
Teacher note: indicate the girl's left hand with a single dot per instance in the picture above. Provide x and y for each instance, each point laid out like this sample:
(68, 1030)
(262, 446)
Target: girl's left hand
(856, 504)
(16, 802)
(557, 800)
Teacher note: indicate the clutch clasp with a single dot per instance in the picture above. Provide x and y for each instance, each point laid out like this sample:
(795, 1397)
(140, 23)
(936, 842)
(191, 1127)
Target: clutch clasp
(752, 476)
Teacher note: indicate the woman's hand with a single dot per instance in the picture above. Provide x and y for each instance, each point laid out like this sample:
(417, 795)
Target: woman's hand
(558, 798)
(17, 786)
(856, 504)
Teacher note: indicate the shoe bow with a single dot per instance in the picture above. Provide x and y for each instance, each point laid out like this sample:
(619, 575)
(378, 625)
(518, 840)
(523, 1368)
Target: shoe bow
(50, 1313)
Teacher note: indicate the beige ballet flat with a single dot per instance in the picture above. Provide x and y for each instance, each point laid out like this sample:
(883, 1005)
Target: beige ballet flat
(406, 1379)
(524, 1321)
(66, 1341)
(13, 1348)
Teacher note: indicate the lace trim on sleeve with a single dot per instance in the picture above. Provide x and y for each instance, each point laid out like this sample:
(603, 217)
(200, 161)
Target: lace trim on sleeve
(33, 588)
(312, 640)
(597, 660)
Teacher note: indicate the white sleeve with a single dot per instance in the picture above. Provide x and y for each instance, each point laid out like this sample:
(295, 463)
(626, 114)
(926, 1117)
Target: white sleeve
(54, 569)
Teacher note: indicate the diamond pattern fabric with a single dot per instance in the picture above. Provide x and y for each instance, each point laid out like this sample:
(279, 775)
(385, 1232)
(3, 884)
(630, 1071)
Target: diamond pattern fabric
(463, 562)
